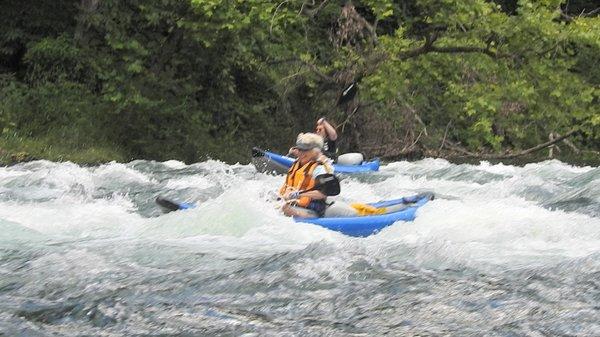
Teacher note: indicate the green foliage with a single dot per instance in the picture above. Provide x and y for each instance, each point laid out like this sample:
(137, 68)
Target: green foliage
(10, 92)
(24, 22)
(526, 82)
(211, 78)
(14, 148)
(55, 59)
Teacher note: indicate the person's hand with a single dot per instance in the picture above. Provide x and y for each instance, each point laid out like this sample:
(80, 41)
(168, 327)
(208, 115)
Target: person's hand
(323, 158)
(291, 195)
(321, 120)
(293, 152)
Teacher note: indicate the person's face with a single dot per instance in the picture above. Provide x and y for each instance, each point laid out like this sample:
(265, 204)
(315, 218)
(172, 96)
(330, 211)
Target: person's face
(305, 155)
(320, 130)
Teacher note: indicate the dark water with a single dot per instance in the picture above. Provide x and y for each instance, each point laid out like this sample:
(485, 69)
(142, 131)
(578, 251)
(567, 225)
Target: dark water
(502, 251)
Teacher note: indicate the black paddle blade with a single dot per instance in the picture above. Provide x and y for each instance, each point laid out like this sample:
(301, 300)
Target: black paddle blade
(348, 93)
(415, 198)
(256, 152)
(328, 184)
(167, 205)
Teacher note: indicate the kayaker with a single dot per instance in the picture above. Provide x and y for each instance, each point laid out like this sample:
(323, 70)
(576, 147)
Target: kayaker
(309, 165)
(329, 134)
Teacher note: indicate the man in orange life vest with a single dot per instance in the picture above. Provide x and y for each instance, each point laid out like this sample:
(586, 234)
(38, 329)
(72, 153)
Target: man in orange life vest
(311, 163)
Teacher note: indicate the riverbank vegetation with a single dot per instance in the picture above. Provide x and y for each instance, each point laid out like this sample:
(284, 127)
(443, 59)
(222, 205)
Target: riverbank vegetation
(100, 80)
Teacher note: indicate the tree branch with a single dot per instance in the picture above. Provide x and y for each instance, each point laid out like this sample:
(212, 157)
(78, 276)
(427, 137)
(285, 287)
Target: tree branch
(445, 134)
(467, 49)
(513, 155)
(274, 14)
(429, 47)
(313, 12)
(310, 66)
(568, 18)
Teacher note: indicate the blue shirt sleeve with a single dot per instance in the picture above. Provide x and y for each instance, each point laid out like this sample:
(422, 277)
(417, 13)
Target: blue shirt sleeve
(320, 169)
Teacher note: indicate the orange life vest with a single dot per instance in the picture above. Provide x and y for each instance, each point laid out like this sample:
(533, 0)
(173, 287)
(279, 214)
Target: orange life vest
(300, 178)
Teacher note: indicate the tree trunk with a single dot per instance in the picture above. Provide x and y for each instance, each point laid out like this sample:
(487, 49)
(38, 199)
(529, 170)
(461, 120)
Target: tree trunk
(87, 7)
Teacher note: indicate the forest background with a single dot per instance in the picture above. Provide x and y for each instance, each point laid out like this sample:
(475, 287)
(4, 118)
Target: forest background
(98, 80)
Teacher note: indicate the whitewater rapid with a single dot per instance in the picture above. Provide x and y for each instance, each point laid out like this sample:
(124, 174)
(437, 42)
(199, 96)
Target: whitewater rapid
(502, 250)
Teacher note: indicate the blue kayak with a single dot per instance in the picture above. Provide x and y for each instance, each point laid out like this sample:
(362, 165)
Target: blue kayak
(359, 226)
(362, 226)
(281, 163)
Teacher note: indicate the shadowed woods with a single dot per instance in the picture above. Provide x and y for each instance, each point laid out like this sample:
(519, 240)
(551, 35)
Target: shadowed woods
(98, 80)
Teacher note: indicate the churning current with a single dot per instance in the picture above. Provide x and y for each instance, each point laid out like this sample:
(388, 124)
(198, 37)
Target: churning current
(502, 251)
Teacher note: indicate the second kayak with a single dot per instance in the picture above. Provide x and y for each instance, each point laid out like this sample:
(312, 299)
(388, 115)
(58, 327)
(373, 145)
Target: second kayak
(270, 161)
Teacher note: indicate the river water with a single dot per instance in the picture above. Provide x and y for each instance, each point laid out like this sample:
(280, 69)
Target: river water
(502, 251)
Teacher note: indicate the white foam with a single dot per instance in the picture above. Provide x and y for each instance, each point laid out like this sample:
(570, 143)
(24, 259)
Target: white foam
(72, 218)
(198, 182)
(118, 172)
(174, 164)
(498, 221)
(499, 231)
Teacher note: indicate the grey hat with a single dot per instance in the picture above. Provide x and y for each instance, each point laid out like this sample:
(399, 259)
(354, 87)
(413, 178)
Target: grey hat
(307, 141)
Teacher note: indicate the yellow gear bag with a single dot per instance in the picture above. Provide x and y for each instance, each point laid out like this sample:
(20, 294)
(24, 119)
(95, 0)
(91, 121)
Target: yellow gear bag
(364, 209)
